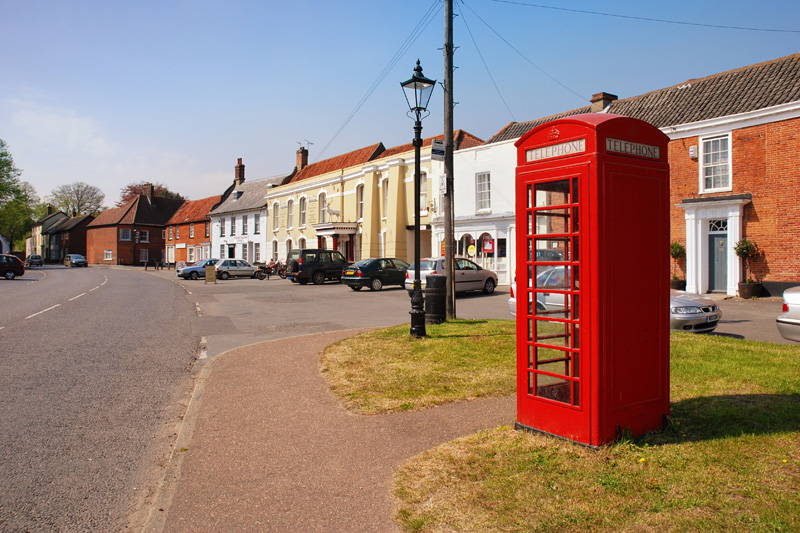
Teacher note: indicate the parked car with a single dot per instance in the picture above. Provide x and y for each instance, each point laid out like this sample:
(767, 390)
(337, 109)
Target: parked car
(34, 260)
(555, 278)
(468, 276)
(75, 260)
(789, 321)
(235, 268)
(11, 266)
(687, 311)
(197, 270)
(375, 273)
(315, 265)
(692, 312)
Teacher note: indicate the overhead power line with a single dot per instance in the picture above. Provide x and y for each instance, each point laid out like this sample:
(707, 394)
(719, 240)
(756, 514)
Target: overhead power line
(424, 22)
(648, 19)
(486, 66)
(537, 67)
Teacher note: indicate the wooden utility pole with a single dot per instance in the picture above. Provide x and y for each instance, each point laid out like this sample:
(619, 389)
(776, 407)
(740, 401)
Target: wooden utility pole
(449, 212)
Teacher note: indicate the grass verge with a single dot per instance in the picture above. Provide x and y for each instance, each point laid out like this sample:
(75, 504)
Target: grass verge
(730, 460)
(387, 370)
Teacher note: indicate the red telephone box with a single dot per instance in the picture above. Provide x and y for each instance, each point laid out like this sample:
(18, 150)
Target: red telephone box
(592, 211)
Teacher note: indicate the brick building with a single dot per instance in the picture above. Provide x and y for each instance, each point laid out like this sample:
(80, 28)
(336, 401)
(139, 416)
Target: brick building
(133, 234)
(69, 237)
(734, 156)
(189, 231)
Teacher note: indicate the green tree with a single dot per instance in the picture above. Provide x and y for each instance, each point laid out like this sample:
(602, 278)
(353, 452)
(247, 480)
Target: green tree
(79, 198)
(9, 174)
(18, 215)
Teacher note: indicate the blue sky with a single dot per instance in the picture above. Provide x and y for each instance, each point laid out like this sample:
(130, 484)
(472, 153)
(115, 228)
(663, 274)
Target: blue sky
(109, 92)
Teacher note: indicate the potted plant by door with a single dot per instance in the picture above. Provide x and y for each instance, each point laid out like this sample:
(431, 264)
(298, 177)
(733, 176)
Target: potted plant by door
(676, 251)
(747, 250)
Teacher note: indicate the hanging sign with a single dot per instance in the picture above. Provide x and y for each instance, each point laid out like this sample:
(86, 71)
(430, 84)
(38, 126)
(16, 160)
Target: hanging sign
(437, 150)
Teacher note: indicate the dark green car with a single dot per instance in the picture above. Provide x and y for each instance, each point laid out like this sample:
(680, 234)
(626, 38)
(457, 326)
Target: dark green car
(375, 273)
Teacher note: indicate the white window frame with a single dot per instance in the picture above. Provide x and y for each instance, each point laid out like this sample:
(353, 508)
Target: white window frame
(222, 226)
(233, 226)
(191, 230)
(360, 202)
(257, 224)
(190, 254)
(124, 234)
(256, 252)
(385, 187)
(289, 214)
(322, 199)
(302, 208)
(702, 165)
(423, 193)
(144, 255)
(483, 192)
(144, 235)
(244, 251)
(276, 216)
(244, 224)
(108, 254)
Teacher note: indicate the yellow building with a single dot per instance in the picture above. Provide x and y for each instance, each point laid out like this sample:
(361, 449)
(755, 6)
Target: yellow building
(360, 203)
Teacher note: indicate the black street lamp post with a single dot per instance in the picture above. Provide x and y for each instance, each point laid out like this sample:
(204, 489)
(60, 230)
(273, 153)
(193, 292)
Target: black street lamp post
(418, 91)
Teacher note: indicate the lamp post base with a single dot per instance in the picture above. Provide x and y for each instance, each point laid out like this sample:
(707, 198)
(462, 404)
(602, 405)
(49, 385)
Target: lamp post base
(417, 312)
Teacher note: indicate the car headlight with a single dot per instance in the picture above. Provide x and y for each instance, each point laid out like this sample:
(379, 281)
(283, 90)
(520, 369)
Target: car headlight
(686, 310)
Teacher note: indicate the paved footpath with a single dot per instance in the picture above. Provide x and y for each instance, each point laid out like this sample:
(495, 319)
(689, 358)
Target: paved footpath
(271, 449)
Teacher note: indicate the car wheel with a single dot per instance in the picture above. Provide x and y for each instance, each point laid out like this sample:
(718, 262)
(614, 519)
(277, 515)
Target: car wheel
(376, 284)
(355, 287)
(194, 275)
(10, 275)
(224, 275)
(318, 278)
(489, 287)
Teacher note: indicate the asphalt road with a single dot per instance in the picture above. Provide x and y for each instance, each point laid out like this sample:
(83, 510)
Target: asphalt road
(95, 364)
(98, 365)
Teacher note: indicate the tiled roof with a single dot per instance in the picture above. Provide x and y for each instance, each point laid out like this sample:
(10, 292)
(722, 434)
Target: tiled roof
(139, 211)
(194, 210)
(350, 159)
(69, 223)
(461, 140)
(736, 91)
(247, 196)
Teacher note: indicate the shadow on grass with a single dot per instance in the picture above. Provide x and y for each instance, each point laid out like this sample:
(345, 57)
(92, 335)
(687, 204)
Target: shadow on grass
(735, 415)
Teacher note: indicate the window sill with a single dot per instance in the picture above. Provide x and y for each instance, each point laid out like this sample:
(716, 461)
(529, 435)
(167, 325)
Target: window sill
(712, 191)
(483, 212)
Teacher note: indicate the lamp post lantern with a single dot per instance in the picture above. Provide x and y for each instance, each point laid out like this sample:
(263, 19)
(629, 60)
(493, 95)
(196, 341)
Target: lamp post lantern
(418, 91)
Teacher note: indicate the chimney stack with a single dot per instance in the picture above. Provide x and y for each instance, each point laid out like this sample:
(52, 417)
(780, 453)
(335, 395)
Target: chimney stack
(239, 175)
(302, 158)
(600, 101)
(147, 190)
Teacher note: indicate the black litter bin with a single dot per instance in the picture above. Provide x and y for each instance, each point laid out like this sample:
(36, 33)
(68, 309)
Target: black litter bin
(435, 299)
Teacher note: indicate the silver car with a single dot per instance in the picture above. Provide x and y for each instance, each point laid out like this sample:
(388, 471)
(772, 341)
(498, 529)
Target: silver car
(691, 312)
(468, 276)
(687, 311)
(789, 321)
(235, 268)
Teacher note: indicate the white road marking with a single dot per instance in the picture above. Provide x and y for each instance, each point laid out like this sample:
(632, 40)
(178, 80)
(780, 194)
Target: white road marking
(203, 351)
(78, 296)
(44, 311)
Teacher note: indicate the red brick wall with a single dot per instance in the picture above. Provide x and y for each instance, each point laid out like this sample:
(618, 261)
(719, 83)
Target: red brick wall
(198, 240)
(123, 252)
(97, 241)
(766, 164)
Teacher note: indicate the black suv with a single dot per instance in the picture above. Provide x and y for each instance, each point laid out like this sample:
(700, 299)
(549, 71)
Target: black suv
(314, 265)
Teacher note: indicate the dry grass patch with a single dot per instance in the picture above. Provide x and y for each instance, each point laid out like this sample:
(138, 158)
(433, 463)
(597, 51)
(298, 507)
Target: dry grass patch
(729, 461)
(388, 370)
